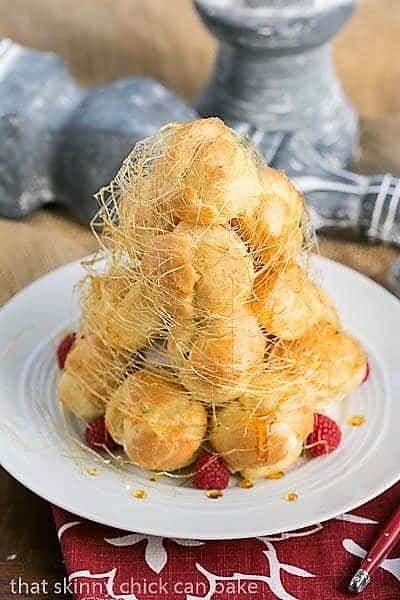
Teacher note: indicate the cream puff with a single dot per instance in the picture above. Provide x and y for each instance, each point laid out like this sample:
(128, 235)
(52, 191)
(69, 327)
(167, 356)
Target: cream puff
(287, 302)
(218, 361)
(273, 229)
(91, 374)
(258, 444)
(206, 171)
(157, 421)
(327, 363)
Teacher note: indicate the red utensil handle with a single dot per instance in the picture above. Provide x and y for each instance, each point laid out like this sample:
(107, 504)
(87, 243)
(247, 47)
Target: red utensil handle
(386, 540)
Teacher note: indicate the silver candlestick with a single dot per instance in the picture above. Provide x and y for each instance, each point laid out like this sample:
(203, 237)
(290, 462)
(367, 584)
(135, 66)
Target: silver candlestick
(274, 71)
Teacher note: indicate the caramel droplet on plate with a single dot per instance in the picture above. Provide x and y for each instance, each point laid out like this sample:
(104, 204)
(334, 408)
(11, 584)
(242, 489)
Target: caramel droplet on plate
(277, 475)
(214, 494)
(356, 420)
(139, 494)
(246, 484)
(291, 497)
(93, 471)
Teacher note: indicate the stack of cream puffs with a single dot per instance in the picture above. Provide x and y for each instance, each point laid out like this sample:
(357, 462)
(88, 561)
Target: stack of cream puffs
(206, 269)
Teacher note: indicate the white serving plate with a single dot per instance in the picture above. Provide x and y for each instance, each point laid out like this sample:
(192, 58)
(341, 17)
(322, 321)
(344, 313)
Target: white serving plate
(36, 450)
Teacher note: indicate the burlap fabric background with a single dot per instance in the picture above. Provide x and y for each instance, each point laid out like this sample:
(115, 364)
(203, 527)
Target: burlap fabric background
(113, 38)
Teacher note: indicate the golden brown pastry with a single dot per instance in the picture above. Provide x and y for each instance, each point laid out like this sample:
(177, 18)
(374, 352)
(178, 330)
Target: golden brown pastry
(279, 384)
(204, 276)
(218, 361)
(162, 291)
(101, 294)
(92, 372)
(143, 212)
(287, 302)
(273, 228)
(181, 142)
(214, 341)
(258, 444)
(224, 267)
(199, 173)
(327, 362)
(169, 273)
(212, 177)
(156, 420)
(122, 307)
(193, 268)
(323, 366)
(134, 321)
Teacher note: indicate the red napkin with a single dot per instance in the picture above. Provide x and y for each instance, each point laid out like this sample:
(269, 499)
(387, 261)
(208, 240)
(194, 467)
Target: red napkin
(311, 564)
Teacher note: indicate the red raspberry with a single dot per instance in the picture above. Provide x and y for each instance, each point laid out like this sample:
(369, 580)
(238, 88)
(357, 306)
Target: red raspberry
(97, 436)
(367, 372)
(211, 472)
(325, 437)
(64, 347)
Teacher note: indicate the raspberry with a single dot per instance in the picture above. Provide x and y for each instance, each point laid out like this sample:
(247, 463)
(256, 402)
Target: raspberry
(64, 347)
(325, 437)
(97, 436)
(367, 372)
(211, 473)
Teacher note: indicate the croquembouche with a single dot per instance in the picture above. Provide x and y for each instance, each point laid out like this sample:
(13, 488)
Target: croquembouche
(204, 328)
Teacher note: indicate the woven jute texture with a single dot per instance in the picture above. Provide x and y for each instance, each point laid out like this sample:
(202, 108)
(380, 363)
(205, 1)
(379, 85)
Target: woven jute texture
(100, 42)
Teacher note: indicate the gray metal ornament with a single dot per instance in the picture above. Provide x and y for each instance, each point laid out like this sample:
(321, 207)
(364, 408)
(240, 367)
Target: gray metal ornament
(274, 71)
(60, 142)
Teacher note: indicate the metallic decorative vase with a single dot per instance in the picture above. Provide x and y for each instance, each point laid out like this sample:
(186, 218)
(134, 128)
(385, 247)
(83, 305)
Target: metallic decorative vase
(274, 72)
(62, 143)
